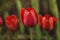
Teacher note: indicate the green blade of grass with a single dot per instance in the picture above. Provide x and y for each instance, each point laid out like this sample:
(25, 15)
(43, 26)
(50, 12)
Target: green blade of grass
(53, 7)
(54, 10)
(19, 6)
(38, 32)
(35, 4)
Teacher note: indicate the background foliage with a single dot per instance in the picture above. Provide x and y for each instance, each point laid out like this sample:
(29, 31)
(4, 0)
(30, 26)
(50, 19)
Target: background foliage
(9, 7)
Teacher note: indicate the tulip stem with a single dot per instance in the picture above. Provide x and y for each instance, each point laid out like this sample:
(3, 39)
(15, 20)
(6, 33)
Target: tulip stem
(16, 36)
(0, 33)
(31, 37)
(47, 36)
(38, 32)
(8, 37)
(23, 32)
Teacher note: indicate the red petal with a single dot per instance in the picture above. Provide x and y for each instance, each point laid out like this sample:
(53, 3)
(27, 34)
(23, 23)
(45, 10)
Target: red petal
(55, 20)
(44, 23)
(51, 23)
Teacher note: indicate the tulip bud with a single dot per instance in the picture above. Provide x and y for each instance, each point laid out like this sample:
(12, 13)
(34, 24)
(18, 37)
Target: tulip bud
(29, 17)
(12, 22)
(47, 22)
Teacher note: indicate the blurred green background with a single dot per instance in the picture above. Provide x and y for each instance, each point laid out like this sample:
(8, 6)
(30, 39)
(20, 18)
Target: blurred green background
(9, 7)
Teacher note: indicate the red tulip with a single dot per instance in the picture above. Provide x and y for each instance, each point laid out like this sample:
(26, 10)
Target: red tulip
(1, 21)
(29, 17)
(12, 22)
(47, 22)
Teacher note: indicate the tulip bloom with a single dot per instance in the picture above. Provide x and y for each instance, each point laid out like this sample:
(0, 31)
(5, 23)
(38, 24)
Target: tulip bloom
(29, 17)
(12, 22)
(1, 21)
(47, 22)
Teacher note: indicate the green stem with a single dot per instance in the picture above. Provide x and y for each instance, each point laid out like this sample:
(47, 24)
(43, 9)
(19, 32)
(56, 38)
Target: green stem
(23, 32)
(47, 36)
(1, 33)
(31, 37)
(38, 32)
(8, 36)
(16, 36)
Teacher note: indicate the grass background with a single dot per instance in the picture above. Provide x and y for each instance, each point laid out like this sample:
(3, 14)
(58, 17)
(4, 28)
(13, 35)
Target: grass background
(9, 7)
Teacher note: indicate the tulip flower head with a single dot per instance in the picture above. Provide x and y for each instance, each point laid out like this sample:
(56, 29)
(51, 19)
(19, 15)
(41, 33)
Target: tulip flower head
(47, 22)
(1, 21)
(29, 17)
(12, 22)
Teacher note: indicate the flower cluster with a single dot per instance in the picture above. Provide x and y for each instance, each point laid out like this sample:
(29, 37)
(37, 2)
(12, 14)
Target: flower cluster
(29, 18)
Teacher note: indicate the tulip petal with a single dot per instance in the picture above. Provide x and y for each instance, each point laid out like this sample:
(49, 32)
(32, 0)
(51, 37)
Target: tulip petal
(51, 23)
(44, 22)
